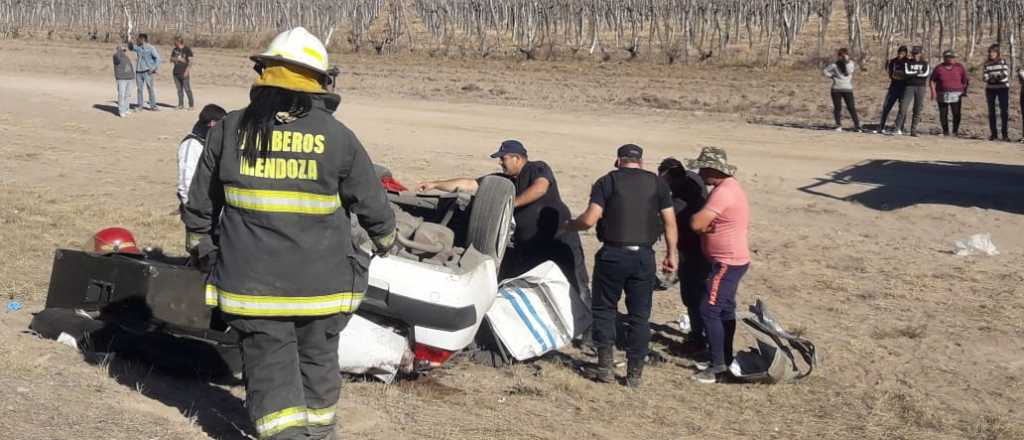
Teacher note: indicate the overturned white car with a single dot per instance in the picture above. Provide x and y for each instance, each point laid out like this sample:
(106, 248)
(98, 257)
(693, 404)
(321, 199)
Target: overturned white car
(425, 301)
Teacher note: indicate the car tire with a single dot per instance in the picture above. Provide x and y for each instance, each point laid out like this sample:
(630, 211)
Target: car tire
(490, 217)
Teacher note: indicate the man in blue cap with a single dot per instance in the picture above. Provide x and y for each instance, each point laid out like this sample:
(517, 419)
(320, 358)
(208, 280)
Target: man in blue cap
(539, 211)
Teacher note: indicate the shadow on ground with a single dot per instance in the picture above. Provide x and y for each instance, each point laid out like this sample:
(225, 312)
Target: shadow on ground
(887, 185)
(865, 129)
(209, 406)
(112, 108)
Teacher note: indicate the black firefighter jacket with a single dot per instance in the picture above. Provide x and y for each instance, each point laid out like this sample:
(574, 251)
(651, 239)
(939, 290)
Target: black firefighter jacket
(282, 225)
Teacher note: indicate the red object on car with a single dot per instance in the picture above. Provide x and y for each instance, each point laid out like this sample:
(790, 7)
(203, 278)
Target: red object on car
(392, 185)
(430, 357)
(115, 240)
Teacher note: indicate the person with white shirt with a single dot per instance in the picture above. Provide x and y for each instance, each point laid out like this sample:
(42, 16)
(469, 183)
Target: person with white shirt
(191, 148)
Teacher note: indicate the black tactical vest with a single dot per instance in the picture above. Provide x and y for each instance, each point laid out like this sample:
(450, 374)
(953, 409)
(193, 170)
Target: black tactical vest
(631, 214)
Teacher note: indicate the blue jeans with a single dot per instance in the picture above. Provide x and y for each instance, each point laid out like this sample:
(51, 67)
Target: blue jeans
(719, 311)
(122, 96)
(615, 270)
(145, 79)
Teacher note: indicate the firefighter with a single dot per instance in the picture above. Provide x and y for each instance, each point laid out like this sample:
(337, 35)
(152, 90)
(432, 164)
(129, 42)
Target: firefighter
(270, 209)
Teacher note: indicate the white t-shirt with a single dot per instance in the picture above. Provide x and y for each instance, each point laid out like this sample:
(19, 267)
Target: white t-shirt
(189, 152)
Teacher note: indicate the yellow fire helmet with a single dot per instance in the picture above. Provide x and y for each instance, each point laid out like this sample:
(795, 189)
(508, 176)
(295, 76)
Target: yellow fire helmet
(298, 47)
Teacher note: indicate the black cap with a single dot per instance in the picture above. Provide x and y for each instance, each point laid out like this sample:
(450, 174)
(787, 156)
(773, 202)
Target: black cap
(668, 164)
(916, 49)
(510, 147)
(630, 151)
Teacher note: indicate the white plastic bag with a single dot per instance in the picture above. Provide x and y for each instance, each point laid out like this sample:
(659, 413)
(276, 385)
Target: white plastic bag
(366, 347)
(978, 244)
(684, 323)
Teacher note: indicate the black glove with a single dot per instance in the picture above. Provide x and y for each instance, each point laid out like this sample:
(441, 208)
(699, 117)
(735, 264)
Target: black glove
(202, 251)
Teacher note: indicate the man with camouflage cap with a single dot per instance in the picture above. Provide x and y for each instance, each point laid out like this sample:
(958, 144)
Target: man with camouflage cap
(723, 224)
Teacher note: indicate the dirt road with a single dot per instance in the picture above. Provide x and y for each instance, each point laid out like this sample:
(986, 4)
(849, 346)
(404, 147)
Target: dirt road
(851, 232)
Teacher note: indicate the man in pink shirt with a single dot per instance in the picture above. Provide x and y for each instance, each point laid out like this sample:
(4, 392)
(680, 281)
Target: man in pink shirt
(723, 224)
(949, 87)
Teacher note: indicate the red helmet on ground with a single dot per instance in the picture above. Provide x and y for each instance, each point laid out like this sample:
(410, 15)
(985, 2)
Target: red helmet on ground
(112, 240)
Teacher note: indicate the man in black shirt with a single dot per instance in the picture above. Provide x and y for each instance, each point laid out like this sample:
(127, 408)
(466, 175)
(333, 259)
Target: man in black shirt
(688, 196)
(626, 205)
(181, 56)
(539, 211)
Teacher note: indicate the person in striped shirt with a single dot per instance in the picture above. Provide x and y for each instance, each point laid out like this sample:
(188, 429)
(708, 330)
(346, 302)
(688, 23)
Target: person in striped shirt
(997, 88)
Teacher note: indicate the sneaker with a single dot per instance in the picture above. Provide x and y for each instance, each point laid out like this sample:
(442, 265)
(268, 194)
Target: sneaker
(191, 108)
(706, 377)
(1006, 138)
(181, 107)
(839, 128)
(898, 133)
(154, 108)
(913, 134)
(992, 138)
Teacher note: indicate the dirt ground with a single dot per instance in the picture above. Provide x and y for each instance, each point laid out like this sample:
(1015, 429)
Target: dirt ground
(852, 237)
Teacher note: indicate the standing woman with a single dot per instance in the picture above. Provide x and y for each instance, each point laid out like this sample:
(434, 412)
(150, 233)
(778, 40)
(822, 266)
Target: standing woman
(917, 72)
(270, 211)
(997, 88)
(897, 84)
(841, 73)
(949, 86)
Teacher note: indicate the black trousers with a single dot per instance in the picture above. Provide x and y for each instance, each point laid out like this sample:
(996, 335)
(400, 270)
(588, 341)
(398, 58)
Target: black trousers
(1003, 98)
(617, 270)
(944, 110)
(1022, 111)
(292, 378)
(894, 96)
(692, 273)
(838, 97)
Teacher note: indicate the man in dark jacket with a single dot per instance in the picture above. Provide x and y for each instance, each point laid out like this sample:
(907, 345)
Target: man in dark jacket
(688, 196)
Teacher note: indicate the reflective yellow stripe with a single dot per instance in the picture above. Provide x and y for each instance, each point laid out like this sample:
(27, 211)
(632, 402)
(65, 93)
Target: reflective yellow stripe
(313, 53)
(211, 295)
(324, 416)
(387, 240)
(255, 305)
(276, 422)
(281, 201)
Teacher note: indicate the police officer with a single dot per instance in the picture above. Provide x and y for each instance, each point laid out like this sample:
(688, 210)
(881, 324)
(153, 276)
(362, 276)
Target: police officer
(626, 205)
(270, 207)
(539, 211)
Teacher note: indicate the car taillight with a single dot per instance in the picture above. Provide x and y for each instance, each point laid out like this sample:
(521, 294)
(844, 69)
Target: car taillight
(430, 357)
